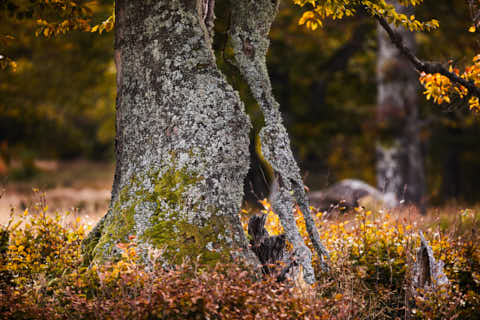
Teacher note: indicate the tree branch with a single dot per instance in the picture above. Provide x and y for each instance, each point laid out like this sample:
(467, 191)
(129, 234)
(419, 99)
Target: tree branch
(424, 66)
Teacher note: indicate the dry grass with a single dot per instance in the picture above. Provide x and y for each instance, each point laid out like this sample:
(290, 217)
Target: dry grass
(79, 187)
(83, 188)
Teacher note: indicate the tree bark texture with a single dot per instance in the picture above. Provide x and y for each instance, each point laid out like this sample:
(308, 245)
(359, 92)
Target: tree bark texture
(182, 138)
(427, 273)
(400, 168)
(182, 142)
(249, 29)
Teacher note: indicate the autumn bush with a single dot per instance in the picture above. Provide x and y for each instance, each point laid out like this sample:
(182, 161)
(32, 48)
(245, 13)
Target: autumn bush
(43, 276)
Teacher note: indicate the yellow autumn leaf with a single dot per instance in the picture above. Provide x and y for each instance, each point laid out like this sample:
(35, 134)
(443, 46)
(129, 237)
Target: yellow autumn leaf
(399, 250)
(308, 15)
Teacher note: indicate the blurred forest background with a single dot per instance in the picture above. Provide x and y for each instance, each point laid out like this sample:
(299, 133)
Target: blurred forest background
(57, 109)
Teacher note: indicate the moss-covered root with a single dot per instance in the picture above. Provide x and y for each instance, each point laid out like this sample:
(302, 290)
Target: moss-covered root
(162, 217)
(91, 241)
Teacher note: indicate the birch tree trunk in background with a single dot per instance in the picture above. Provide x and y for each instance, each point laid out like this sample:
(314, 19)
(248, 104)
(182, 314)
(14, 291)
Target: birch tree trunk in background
(400, 168)
(182, 144)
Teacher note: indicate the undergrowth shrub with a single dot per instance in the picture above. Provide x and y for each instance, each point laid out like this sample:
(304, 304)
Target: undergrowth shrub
(42, 275)
(459, 248)
(372, 255)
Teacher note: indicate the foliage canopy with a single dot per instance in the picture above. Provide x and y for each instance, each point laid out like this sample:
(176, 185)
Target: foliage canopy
(441, 84)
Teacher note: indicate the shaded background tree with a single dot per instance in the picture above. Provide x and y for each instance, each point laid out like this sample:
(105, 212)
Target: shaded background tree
(400, 162)
(59, 102)
(338, 144)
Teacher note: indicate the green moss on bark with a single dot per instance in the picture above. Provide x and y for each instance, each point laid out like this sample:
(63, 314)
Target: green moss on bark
(115, 229)
(170, 226)
(181, 239)
(173, 226)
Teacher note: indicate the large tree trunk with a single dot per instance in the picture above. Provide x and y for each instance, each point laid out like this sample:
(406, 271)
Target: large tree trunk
(400, 170)
(182, 143)
(182, 138)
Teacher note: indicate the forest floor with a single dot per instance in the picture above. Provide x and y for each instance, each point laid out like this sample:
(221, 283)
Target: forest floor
(371, 255)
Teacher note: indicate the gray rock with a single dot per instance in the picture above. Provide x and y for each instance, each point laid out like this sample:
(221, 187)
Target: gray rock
(348, 193)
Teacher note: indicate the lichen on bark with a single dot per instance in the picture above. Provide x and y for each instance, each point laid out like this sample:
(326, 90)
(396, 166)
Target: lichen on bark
(176, 115)
(249, 29)
(183, 135)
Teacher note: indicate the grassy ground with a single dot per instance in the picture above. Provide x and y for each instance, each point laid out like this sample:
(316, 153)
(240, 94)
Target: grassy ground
(79, 187)
(83, 188)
